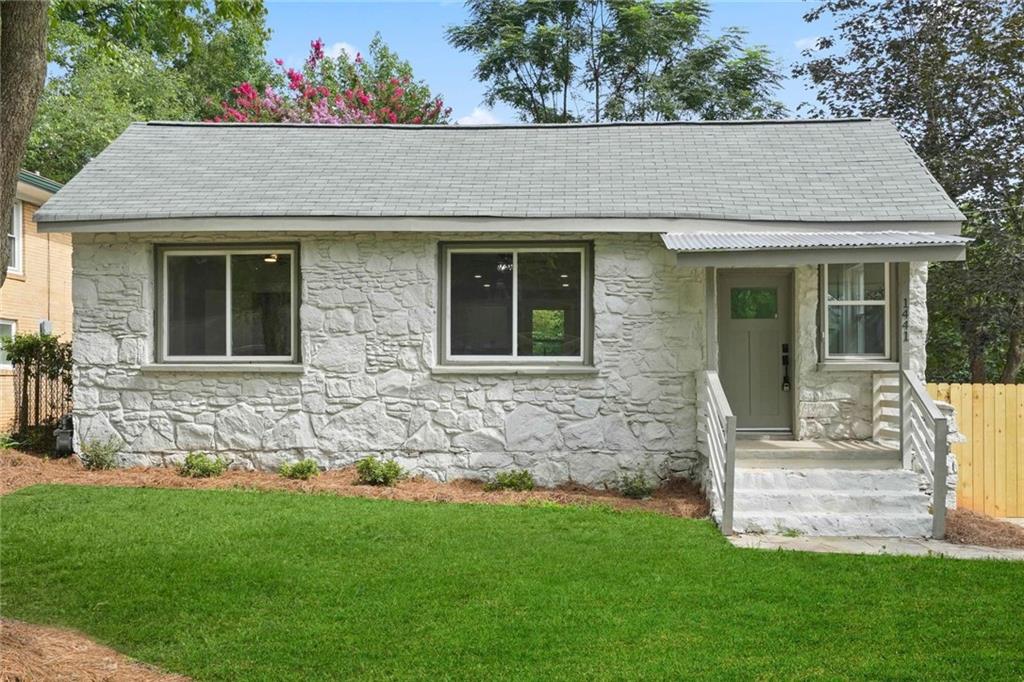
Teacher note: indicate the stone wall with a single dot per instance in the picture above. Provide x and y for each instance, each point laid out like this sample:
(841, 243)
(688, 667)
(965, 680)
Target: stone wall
(368, 318)
(839, 404)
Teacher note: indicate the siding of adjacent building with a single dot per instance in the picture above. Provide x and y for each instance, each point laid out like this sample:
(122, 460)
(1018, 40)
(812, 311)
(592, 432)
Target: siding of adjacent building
(41, 292)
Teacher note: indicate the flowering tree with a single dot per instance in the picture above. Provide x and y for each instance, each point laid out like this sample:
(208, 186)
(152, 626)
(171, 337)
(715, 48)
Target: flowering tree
(338, 89)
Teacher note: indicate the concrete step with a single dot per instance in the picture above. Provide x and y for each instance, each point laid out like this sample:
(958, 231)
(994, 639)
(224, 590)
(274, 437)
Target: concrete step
(808, 454)
(866, 525)
(830, 501)
(842, 480)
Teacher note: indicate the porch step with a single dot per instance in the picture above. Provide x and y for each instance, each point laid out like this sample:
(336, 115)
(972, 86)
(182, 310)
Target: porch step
(821, 500)
(838, 480)
(809, 454)
(863, 525)
(831, 501)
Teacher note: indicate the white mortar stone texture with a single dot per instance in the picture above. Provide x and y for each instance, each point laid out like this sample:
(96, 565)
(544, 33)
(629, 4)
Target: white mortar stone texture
(368, 320)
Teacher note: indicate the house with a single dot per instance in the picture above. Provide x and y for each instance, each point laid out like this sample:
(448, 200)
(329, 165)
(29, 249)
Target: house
(38, 285)
(737, 303)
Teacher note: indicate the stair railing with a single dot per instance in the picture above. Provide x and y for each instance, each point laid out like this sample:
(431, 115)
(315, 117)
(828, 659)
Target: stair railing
(923, 435)
(716, 440)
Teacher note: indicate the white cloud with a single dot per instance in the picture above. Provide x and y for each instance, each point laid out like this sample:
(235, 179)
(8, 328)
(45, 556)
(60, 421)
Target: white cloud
(806, 43)
(480, 116)
(337, 49)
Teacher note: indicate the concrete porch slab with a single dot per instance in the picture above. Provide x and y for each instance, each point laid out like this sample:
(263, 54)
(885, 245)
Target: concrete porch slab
(820, 454)
(874, 546)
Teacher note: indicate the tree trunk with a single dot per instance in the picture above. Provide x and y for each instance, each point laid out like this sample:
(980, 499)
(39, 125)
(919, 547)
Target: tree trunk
(1014, 358)
(23, 25)
(978, 373)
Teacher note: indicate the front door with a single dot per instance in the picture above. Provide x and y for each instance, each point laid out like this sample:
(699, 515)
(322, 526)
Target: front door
(754, 346)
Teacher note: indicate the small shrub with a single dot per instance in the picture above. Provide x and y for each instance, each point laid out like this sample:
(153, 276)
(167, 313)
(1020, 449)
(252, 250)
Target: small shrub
(99, 454)
(302, 470)
(512, 480)
(372, 471)
(202, 465)
(7, 442)
(635, 486)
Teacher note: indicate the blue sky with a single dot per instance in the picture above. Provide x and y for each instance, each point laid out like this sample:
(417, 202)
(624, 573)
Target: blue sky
(415, 30)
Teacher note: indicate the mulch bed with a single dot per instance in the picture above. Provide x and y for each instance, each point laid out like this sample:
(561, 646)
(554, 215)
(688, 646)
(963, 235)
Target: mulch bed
(971, 528)
(18, 470)
(33, 652)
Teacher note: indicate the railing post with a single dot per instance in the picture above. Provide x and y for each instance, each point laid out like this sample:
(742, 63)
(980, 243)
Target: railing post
(939, 479)
(906, 395)
(730, 474)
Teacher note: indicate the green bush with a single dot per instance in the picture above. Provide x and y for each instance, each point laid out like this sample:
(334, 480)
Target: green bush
(302, 470)
(372, 471)
(635, 486)
(99, 454)
(7, 442)
(202, 465)
(512, 480)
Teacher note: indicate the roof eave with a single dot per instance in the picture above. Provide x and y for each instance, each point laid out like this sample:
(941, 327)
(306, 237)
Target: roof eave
(385, 223)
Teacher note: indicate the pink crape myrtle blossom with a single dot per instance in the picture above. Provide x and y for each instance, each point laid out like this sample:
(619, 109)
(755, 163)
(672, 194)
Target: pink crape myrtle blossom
(332, 91)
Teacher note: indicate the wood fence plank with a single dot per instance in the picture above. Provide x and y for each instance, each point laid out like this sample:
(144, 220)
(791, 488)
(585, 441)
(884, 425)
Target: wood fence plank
(988, 446)
(960, 399)
(978, 444)
(1020, 448)
(1013, 503)
(999, 450)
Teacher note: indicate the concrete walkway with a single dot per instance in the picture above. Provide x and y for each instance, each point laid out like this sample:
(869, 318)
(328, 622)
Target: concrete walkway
(891, 546)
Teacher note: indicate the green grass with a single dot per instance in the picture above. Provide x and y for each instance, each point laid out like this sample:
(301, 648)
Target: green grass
(255, 585)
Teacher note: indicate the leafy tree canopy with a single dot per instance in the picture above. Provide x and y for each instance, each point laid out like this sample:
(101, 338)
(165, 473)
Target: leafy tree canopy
(950, 73)
(632, 60)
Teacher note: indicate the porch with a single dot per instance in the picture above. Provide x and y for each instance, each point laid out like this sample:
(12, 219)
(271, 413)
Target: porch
(812, 414)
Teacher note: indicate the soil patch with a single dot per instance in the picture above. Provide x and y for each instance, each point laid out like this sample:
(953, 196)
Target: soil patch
(971, 528)
(33, 652)
(18, 470)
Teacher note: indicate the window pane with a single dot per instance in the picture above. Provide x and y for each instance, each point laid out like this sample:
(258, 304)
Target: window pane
(856, 282)
(754, 303)
(481, 303)
(196, 305)
(856, 330)
(550, 304)
(261, 304)
(6, 332)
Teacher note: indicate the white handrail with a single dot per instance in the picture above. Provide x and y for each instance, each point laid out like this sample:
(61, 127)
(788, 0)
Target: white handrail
(717, 439)
(923, 435)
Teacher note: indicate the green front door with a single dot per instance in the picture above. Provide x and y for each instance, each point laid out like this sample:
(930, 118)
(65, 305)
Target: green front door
(754, 345)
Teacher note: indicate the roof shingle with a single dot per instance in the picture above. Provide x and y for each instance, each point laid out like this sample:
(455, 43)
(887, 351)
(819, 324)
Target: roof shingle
(810, 171)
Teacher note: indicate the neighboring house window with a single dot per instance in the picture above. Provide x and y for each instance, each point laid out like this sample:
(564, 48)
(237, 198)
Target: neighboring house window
(856, 301)
(228, 304)
(516, 303)
(14, 240)
(8, 328)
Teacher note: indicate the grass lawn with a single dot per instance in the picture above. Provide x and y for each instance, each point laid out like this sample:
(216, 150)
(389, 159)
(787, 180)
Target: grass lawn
(257, 585)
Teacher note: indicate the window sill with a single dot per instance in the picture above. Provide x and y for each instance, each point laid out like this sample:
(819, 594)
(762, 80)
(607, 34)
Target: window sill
(225, 367)
(859, 366)
(522, 370)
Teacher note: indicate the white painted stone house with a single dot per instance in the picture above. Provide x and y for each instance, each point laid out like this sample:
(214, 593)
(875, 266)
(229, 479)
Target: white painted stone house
(583, 301)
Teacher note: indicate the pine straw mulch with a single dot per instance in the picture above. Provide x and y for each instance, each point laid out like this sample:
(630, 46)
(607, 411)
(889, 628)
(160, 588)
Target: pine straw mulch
(34, 652)
(971, 528)
(18, 470)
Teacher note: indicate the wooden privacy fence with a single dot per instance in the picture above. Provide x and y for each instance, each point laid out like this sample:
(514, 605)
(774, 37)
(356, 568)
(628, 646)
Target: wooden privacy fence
(991, 462)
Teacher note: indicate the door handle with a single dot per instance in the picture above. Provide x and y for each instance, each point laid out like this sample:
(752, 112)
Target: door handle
(785, 368)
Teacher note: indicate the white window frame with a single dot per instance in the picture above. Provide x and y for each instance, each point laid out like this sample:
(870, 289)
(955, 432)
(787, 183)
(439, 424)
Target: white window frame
(16, 264)
(515, 359)
(14, 332)
(165, 356)
(887, 315)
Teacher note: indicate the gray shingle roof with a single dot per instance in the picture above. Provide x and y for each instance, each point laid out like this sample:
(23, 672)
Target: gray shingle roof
(765, 241)
(832, 171)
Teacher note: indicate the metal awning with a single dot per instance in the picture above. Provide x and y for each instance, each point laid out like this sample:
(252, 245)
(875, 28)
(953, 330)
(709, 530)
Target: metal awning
(753, 249)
